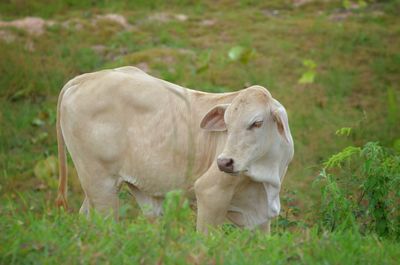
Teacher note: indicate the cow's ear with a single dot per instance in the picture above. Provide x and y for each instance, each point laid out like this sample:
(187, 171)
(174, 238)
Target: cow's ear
(214, 119)
(280, 117)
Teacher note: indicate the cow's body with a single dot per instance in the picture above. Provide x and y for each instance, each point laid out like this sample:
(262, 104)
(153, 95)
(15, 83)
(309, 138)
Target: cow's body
(123, 125)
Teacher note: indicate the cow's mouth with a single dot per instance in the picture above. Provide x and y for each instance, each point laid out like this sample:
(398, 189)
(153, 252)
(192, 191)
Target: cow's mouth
(229, 171)
(234, 173)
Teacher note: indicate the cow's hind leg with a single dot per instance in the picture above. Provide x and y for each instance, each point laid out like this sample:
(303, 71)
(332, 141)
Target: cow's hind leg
(101, 191)
(96, 150)
(103, 197)
(85, 208)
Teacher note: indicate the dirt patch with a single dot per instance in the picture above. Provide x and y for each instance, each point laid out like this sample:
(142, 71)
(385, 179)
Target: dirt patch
(36, 26)
(116, 18)
(270, 13)
(208, 22)
(297, 3)
(337, 17)
(79, 23)
(32, 25)
(74, 23)
(164, 17)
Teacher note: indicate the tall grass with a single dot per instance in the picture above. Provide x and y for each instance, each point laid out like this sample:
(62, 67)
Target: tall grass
(53, 237)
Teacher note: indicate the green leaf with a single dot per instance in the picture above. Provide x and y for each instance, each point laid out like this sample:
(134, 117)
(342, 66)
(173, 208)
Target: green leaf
(307, 78)
(345, 131)
(38, 122)
(310, 64)
(346, 4)
(20, 94)
(235, 53)
(242, 54)
(337, 159)
(46, 170)
(40, 137)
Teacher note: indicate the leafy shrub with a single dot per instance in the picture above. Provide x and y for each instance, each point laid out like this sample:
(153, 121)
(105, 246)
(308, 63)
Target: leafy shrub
(361, 190)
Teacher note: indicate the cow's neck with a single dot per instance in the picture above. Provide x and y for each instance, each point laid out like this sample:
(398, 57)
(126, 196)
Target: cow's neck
(207, 145)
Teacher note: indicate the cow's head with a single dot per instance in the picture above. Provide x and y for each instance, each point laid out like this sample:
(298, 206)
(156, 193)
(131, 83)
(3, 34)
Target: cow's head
(259, 143)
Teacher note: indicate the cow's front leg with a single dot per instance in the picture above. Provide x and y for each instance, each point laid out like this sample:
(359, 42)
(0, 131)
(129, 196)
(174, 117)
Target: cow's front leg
(265, 227)
(214, 191)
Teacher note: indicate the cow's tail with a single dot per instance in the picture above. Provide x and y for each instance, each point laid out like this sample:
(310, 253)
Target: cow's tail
(61, 200)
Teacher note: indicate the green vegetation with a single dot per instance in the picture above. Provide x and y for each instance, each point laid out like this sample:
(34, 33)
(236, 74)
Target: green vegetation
(333, 64)
(57, 237)
(372, 203)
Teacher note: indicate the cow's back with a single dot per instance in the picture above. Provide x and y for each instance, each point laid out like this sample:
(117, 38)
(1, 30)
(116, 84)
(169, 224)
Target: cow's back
(130, 125)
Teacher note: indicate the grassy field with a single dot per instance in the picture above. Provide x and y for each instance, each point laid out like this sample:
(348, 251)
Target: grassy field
(333, 64)
(55, 238)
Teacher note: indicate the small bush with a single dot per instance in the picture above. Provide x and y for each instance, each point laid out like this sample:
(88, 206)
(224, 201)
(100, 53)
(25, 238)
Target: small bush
(361, 190)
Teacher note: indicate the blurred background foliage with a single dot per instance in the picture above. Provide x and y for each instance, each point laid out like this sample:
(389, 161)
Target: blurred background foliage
(333, 64)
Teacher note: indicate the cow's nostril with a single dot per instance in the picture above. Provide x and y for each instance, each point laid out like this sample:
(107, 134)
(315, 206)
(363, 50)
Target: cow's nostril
(225, 164)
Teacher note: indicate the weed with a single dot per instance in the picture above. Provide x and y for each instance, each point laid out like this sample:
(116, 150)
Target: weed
(372, 203)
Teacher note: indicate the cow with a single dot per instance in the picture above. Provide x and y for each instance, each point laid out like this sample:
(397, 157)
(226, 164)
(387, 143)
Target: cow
(228, 151)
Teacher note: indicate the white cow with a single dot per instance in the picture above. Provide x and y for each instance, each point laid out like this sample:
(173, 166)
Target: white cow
(229, 151)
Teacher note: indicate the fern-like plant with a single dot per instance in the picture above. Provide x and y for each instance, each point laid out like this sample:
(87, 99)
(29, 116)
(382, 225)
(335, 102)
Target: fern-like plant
(361, 188)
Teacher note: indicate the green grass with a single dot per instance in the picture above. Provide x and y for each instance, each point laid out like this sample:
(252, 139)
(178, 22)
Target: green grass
(45, 236)
(356, 85)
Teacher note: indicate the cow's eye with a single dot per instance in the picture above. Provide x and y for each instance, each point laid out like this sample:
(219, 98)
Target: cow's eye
(256, 124)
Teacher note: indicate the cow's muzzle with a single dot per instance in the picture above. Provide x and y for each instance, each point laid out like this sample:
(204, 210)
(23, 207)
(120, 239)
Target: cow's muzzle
(226, 165)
